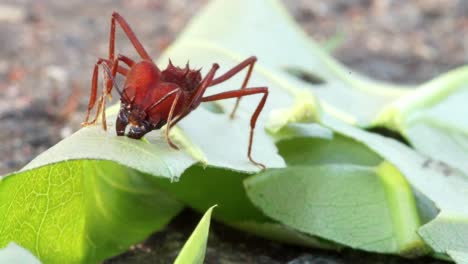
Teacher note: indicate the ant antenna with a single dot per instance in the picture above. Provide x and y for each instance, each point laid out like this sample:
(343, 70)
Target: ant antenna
(162, 99)
(109, 75)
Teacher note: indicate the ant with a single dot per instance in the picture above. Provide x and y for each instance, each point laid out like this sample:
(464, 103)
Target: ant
(152, 98)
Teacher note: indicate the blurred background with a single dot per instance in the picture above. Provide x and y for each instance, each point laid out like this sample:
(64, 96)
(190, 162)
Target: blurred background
(48, 49)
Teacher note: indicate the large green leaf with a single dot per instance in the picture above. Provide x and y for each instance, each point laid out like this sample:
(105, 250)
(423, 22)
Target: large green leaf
(81, 211)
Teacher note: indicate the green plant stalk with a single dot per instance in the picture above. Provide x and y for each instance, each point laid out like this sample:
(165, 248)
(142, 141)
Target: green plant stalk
(395, 116)
(403, 207)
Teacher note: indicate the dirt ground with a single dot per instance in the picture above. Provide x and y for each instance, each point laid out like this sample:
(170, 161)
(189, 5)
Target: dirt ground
(48, 47)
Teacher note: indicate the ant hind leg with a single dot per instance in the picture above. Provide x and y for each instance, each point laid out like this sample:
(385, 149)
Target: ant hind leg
(94, 85)
(253, 120)
(250, 63)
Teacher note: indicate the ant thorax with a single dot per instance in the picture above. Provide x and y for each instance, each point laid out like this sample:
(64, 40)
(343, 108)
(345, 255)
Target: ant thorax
(185, 78)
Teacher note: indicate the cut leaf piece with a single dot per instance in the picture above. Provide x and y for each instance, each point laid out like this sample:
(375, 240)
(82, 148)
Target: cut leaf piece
(459, 257)
(447, 233)
(81, 211)
(195, 247)
(16, 254)
(434, 117)
(353, 205)
(321, 151)
(446, 191)
(201, 187)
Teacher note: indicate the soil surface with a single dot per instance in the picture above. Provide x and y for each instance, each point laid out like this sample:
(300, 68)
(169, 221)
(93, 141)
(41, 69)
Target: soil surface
(48, 48)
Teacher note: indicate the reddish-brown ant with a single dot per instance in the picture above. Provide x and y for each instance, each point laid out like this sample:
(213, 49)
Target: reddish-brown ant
(152, 98)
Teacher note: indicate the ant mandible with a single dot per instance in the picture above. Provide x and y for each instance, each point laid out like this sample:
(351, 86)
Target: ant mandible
(152, 98)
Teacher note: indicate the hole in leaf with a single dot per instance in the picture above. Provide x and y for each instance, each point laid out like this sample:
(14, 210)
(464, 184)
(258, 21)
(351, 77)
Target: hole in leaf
(213, 107)
(305, 76)
(383, 131)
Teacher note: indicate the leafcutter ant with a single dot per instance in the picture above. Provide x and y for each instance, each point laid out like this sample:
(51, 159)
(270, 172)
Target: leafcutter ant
(152, 98)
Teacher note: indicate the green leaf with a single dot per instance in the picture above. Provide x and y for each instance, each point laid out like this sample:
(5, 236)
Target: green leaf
(13, 253)
(321, 151)
(199, 188)
(362, 207)
(152, 156)
(195, 247)
(459, 257)
(81, 211)
(447, 192)
(341, 150)
(436, 110)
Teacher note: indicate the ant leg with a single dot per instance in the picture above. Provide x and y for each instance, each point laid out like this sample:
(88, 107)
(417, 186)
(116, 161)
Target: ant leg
(130, 35)
(170, 123)
(129, 62)
(253, 119)
(94, 84)
(250, 62)
(169, 120)
(205, 83)
(196, 99)
(94, 81)
(92, 97)
(116, 68)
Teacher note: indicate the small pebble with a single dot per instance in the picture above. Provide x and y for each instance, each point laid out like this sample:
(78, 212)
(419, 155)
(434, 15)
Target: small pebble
(11, 14)
(65, 132)
(57, 73)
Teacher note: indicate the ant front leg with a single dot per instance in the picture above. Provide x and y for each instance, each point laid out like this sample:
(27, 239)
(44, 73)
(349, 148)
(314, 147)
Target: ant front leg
(170, 123)
(250, 62)
(130, 35)
(116, 68)
(92, 97)
(94, 85)
(253, 120)
(169, 120)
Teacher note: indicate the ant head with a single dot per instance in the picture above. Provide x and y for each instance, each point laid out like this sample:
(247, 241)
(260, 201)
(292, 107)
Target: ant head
(135, 114)
(134, 117)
